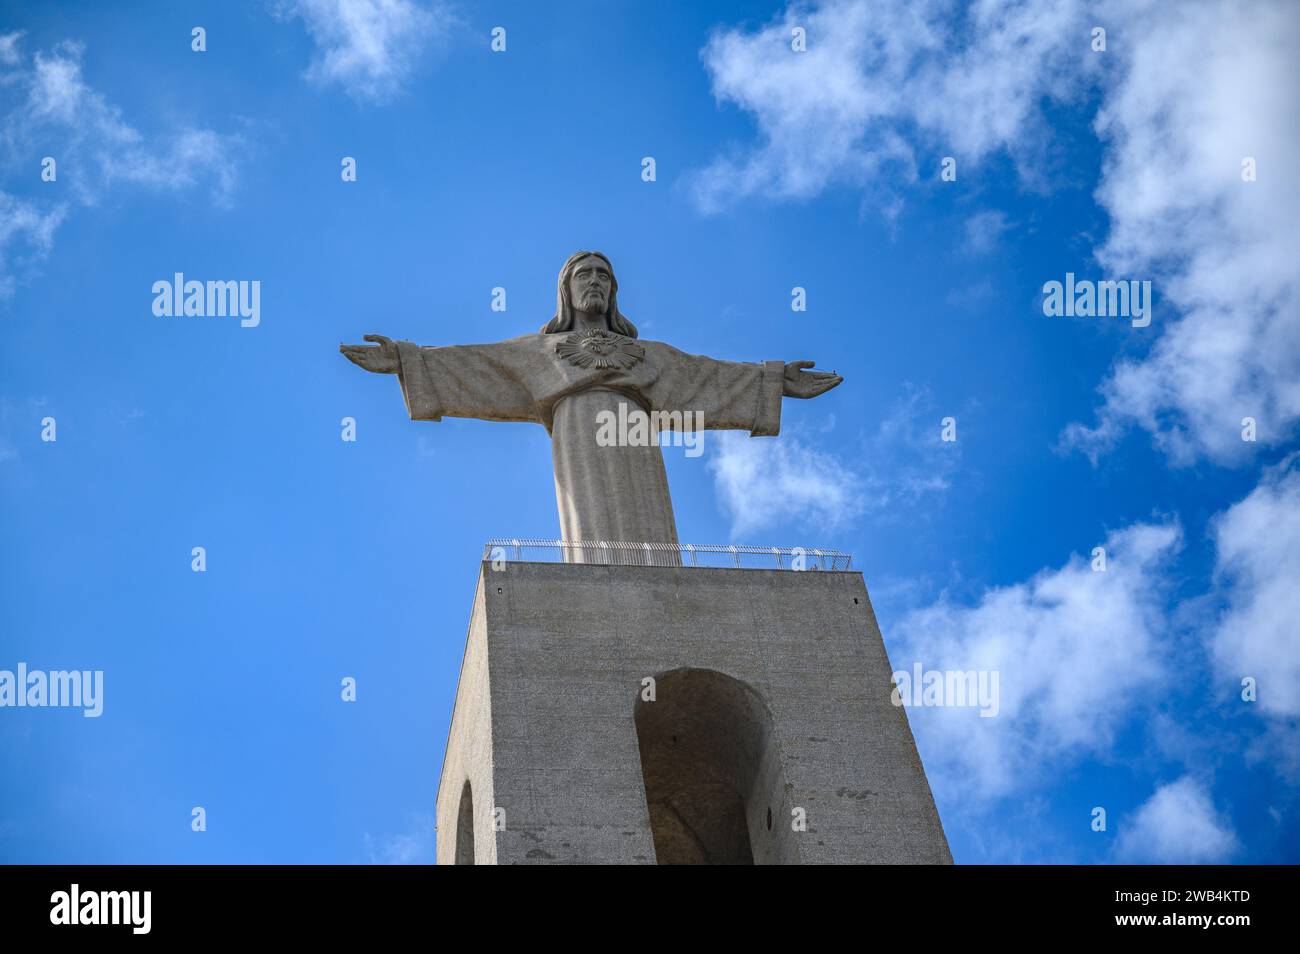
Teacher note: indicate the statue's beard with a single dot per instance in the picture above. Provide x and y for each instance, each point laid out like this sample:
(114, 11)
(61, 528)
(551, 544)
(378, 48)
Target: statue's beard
(593, 301)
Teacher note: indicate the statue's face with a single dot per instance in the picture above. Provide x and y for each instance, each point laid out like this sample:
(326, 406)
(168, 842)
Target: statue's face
(590, 285)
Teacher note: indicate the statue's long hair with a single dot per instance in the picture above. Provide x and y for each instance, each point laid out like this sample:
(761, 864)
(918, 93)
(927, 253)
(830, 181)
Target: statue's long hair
(563, 320)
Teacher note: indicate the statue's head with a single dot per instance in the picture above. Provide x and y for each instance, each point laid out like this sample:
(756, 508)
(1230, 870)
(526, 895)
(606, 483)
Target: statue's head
(587, 284)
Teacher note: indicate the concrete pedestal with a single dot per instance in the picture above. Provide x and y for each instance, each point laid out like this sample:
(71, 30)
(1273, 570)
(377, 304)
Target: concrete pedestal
(635, 714)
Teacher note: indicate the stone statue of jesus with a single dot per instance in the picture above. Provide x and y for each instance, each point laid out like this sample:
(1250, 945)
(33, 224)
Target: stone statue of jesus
(585, 361)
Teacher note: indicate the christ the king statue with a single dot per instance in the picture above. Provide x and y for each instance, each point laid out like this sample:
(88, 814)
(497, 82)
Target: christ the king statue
(585, 361)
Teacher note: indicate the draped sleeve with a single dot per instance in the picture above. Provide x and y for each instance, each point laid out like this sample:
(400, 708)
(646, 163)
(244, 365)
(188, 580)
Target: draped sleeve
(485, 381)
(731, 395)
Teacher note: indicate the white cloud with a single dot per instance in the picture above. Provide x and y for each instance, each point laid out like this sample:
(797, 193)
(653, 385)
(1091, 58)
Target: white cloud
(412, 847)
(56, 113)
(9, 48)
(26, 236)
(182, 160)
(1187, 91)
(881, 79)
(763, 482)
(1075, 649)
(58, 93)
(370, 47)
(895, 469)
(50, 110)
(1202, 87)
(1080, 653)
(1177, 825)
(906, 461)
(983, 229)
(1258, 561)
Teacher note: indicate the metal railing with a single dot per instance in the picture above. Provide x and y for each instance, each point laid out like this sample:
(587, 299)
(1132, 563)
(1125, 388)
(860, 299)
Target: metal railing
(616, 553)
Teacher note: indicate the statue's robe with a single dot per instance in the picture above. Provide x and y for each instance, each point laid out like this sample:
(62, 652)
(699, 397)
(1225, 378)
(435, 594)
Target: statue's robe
(615, 493)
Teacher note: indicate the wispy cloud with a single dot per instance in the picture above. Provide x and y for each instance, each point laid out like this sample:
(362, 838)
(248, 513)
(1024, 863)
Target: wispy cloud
(1223, 251)
(1077, 649)
(1258, 546)
(763, 482)
(9, 54)
(1073, 646)
(415, 846)
(892, 470)
(880, 79)
(1177, 825)
(1258, 565)
(55, 112)
(886, 88)
(369, 47)
(51, 111)
(906, 461)
(26, 237)
(983, 230)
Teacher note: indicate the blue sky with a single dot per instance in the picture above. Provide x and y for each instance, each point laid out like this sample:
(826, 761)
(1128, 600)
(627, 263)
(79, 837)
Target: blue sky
(775, 169)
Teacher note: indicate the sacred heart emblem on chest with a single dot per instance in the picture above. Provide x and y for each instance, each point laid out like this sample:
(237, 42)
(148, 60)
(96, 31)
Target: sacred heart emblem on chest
(600, 349)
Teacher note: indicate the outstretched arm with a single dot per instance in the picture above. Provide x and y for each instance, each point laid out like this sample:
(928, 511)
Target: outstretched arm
(734, 395)
(478, 381)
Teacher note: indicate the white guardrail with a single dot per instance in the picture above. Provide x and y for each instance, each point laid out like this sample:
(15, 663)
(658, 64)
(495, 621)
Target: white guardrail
(616, 553)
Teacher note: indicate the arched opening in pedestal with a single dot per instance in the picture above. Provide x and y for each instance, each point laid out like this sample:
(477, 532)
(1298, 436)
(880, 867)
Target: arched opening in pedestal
(465, 827)
(712, 772)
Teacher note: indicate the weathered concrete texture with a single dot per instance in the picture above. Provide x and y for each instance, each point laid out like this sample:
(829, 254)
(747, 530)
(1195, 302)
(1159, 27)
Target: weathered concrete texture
(469, 752)
(772, 698)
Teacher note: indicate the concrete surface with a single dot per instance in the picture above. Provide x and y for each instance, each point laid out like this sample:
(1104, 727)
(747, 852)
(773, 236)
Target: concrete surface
(771, 701)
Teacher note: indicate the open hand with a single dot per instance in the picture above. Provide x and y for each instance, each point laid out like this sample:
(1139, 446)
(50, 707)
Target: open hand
(800, 383)
(380, 358)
